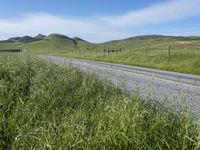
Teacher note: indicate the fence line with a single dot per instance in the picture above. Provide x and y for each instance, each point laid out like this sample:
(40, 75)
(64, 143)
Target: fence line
(168, 50)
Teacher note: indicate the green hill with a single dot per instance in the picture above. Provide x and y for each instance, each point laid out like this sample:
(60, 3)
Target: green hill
(50, 44)
(136, 42)
(57, 42)
(53, 44)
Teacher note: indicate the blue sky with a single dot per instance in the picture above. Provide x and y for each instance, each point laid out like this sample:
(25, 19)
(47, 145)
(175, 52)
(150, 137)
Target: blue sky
(99, 21)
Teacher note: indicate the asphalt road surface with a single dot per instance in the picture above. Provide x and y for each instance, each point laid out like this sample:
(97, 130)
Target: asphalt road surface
(168, 88)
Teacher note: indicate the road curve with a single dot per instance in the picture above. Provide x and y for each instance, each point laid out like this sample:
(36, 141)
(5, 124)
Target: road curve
(169, 88)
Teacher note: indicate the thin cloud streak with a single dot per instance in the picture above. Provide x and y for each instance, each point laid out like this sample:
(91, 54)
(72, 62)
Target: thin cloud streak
(32, 24)
(172, 10)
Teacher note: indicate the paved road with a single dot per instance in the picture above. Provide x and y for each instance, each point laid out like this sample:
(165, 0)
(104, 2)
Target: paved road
(166, 87)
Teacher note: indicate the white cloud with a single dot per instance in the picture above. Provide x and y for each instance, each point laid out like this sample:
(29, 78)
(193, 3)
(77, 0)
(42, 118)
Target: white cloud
(171, 10)
(32, 24)
(99, 29)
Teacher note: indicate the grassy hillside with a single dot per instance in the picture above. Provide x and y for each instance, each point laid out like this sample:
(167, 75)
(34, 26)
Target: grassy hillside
(44, 106)
(148, 51)
(49, 45)
(53, 44)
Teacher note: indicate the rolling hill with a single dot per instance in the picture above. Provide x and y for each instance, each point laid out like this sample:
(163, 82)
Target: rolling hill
(55, 42)
(45, 44)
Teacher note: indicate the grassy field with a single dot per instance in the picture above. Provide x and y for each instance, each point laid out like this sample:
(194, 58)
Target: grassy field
(45, 106)
(184, 61)
(146, 51)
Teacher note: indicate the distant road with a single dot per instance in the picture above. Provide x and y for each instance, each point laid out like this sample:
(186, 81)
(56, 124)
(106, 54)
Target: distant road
(167, 87)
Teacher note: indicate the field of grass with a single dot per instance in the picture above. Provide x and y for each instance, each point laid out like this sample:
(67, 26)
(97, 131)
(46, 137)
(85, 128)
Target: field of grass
(185, 61)
(146, 51)
(45, 106)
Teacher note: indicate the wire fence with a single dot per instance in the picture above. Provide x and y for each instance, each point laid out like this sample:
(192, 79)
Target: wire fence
(169, 51)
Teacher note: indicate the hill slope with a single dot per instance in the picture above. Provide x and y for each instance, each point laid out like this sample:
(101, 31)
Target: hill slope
(55, 42)
(42, 44)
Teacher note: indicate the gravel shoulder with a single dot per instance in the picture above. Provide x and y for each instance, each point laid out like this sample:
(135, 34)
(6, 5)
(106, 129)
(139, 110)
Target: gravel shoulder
(169, 88)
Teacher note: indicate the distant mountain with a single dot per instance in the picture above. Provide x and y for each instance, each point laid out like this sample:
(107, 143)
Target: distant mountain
(25, 39)
(145, 37)
(63, 39)
(79, 39)
(58, 36)
(76, 40)
(40, 37)
(73, 42)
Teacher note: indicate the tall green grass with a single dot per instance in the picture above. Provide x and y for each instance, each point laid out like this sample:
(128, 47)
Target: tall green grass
(45, 106)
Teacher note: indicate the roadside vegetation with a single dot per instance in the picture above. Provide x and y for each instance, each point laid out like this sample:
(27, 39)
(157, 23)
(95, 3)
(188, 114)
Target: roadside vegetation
(45, 106)
(184, 61)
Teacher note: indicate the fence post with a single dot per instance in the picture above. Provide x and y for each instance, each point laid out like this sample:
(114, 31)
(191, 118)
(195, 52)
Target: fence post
(87, 50)
(169, 51)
